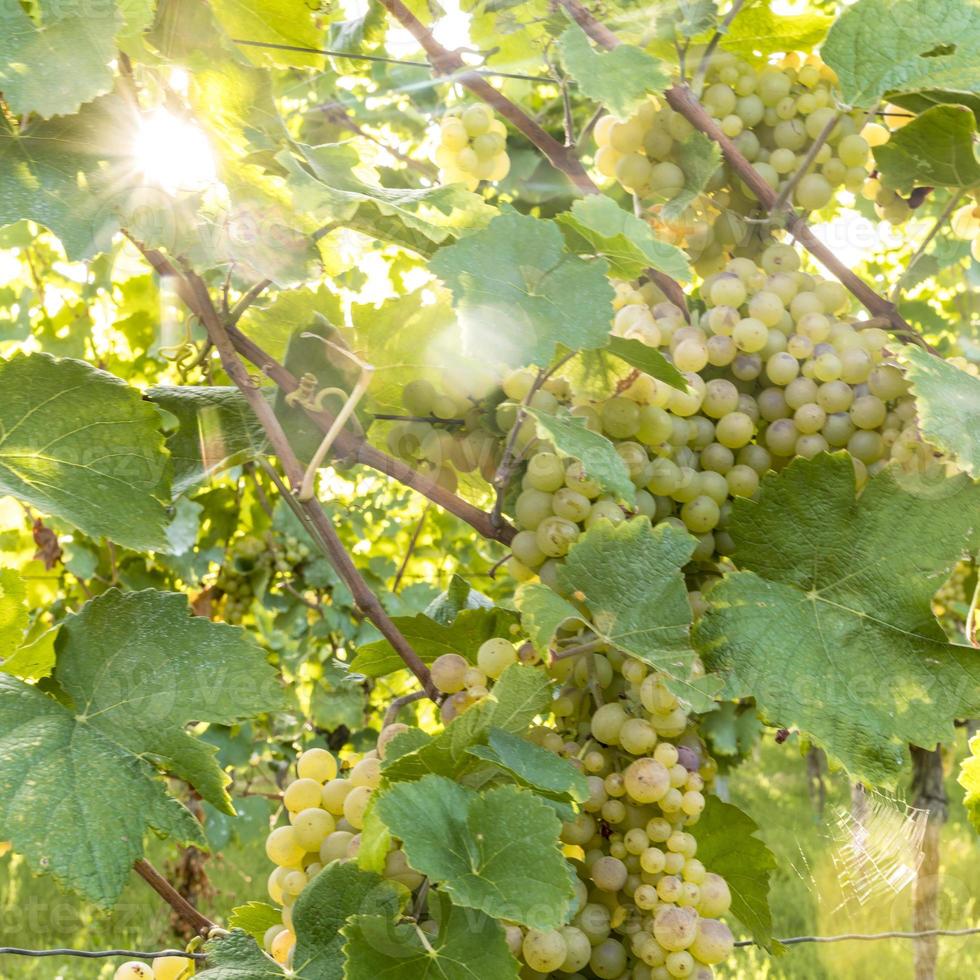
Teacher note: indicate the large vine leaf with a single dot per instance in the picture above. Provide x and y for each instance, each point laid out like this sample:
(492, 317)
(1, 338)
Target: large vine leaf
(969, 779)
(53, 67)
(215, 429)
(280, 22)
(828, 624)
(620, 79)
(42, 166)
(543, 612)
(938, 148)
(728, 846)
(759, 29)
(883, 46)
(572, 437)
(133, 670)
(467, 946)
(417, 218)
(630, 579)
(337, 893)
(79, 443)
(465, 842)
(519, 293)
(598, 224)
(517, 698)
(948, 403)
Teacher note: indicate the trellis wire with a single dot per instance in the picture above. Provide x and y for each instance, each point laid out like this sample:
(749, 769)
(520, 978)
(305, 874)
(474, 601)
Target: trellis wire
(741, 944)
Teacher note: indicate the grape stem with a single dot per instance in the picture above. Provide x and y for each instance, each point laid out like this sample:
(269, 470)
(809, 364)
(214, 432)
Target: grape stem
(783, 197)
(501, 479)
(697, 82)
(347, 444)
(200, 923)
(921, 250)
(312, 510)
(563, 158)
(391, 715)
(681, 99)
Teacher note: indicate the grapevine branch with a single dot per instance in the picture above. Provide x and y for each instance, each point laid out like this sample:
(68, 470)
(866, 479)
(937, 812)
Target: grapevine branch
(563, 157)
(347, 444)
(86, 954)
(330, 541)
(681, 99)
(200, 922)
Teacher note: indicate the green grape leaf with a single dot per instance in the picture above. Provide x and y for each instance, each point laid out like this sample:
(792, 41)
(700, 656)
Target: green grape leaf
(620, 79)
(465, 842)
(698, 157)
(51, 69)
(255, 918)
(514, 282)
(597, 454)
(516, 699)
(238, 957)
(686, 18)
(598, 224)
(375, 843)
(884, 46)
(460, 595)
(648, 360)
(338, 892)
(417, 218)
(759, 29)
(41, 167)
(34, 658)
(969, 779)
(633, 586)
(430, 639)
(277, 22)
(728, 846)
(14, 616)
(732, 730)
(937, 149)
(948, 404)
(133, 670)
(467, 946)
(79, 443)
(215, 430)
(543, 612)
(273, 326)
(533, 766)
(845, 585)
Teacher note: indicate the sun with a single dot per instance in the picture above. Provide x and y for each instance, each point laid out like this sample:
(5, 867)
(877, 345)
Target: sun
(172, 153)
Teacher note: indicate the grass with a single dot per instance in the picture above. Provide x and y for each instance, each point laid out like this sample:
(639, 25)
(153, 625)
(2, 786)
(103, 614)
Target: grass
(807, 898)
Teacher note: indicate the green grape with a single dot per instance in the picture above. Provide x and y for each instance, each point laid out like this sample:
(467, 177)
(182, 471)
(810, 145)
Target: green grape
(620, 418)
(813, 192)
(525, 549)
(546, 472)
(608, 959)
(571, 505)
(544, 951)
(809, 418)
(495, 656)
(634, 171)
(133, 971)
(555, 535)
(532, 507)
(700, 514)
(576, 479)
(750, 335)
(713, 943)
(449, 672)
(477, 119)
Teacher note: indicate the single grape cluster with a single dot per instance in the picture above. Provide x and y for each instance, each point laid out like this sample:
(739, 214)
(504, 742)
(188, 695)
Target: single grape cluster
(326, 815)
(472, 147)
(449, 426)
(647, 908)
(774, 113)
(466, 684)
(250, 565)
(775, 369)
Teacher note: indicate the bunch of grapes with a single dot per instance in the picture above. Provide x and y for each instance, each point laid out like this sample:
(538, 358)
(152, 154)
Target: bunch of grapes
(450, 428)
(326, 815)
(472, 147)
(774, 113)
(249, 567)
(775, 369)
(163, 968)
(966, 224)
(647, 908)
